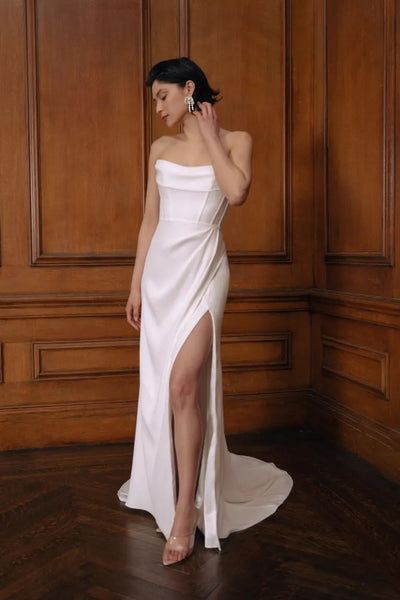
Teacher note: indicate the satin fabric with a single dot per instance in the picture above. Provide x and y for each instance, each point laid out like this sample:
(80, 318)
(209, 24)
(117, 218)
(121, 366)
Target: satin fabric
(186, 274)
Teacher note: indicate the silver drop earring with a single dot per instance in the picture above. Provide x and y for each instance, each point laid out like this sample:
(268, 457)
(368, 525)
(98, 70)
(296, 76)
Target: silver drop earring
(190, 103)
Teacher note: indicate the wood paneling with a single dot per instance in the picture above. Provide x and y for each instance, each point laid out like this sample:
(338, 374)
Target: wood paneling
(257, 63)
(247, 352)
(359, 385)
(1, 362)
(77, 125)
(265, 368)
(85, 73)
(355, 300)
(81, 359)
(311, 328)
(355, 133)
(84, 424)
(376, 442)
(366, 379)
(13, 142)
(358, 364)
(165, 23)
(360, 131)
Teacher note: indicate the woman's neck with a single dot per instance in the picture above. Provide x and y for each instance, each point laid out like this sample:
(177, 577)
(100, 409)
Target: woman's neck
(190, 128)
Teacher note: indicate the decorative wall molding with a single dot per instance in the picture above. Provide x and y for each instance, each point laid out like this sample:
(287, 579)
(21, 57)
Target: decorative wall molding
(259, 257)
(146, 94)
(371, 309)
(283, 341)
(66, 359)
(41, 259)
(334, 353)
(373, 441)
(102, 422)
(1, 363)
(184, 28)
(285, 252)
(82, 423)
(97, 304)
(357, 307)
(285, 255)
(38, 258)
(384, 256)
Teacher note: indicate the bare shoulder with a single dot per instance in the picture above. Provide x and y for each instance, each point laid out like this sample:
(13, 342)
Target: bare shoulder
(160, 145)
(239, 145)
(237, 138)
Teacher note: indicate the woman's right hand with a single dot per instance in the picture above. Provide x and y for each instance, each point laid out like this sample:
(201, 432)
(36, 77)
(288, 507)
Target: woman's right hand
(132, 309)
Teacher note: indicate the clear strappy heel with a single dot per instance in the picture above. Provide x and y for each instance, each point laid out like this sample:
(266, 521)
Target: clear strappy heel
(183, 544)
(180, 543)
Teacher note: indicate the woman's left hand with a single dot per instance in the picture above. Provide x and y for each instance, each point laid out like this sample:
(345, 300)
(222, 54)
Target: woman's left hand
(207, 119)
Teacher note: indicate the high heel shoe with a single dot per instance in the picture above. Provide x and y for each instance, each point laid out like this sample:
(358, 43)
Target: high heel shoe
(180, 543)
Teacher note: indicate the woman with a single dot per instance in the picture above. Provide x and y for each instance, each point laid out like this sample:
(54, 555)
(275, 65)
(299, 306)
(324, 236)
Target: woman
(182, 472)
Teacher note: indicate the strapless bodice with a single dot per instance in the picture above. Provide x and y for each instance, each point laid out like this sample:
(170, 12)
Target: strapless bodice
(189, 194)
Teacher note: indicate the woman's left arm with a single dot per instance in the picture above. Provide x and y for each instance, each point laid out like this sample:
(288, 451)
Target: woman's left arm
(233, 172)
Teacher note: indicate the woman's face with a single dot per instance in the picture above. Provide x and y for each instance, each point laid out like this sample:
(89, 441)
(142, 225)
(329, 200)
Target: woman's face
(170, 101)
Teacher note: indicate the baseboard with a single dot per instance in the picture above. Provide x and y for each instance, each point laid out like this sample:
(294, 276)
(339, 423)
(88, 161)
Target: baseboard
(369, 439)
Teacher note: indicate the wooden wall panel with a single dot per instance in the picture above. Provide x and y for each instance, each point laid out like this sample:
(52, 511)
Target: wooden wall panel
(80, 359)
(85, 70)
(14, 236)
(355, 393)
(261, 60)
(71, 173)
(50, 380)
(165, 21)
(78, 127)
(355, 108)
(1, 363)
(83, 424)
(355, 300)
(265, 50)
(121, 172)
(356, 364)
(358, 374)
(360, 134)
(257, 61)
(248, 352)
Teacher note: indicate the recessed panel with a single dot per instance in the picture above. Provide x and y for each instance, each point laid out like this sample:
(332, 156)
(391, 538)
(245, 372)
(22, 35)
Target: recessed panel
(256, 352)
(357, 364)
(245, 57)
(81, 359)
(359, 115)
(86, 118)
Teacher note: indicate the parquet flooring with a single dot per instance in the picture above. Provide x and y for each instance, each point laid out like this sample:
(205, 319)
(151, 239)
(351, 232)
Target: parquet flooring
(65, 536)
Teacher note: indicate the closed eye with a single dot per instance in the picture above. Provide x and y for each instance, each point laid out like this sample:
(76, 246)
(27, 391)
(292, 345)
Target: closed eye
(155, 99)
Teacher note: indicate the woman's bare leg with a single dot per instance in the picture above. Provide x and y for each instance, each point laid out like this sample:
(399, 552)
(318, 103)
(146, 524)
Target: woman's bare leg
(188, 434)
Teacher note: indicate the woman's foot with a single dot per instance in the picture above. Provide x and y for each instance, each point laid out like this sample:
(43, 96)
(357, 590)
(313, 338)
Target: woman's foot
(177, 548)
(181, 541)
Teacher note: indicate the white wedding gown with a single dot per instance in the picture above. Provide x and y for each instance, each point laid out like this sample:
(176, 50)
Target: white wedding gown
(186, 274)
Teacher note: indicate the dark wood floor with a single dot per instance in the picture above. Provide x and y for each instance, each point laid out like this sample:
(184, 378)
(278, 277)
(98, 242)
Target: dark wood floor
(64, 534)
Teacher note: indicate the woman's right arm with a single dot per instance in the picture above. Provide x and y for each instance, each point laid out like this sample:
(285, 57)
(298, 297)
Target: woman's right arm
(147, 229)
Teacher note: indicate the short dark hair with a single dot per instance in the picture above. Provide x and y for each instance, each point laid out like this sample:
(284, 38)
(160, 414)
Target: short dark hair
(179, 71)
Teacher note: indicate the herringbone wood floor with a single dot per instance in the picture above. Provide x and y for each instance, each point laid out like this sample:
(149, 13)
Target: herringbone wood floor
(65, 536)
